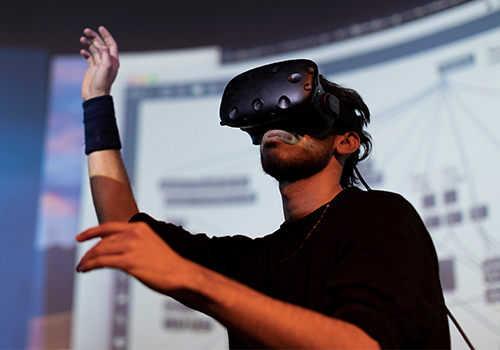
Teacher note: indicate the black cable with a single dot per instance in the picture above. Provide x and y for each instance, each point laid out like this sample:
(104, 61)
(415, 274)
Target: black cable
(361, 179)
(455, 322)
(459, 329)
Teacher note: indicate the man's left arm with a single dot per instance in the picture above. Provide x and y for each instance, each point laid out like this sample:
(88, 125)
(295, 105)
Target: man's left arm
(262, 321)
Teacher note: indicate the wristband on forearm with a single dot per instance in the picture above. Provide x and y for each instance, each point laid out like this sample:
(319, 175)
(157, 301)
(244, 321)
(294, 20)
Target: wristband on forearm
(101, 131)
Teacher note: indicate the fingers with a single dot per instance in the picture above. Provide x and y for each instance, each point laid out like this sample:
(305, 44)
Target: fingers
(100, 255)
(89, 40)
(123, 246)
(95, 49)
(85, 54)
(92, 36)
(103, 230)
(101, 261)
(98, 45)
(109, 41)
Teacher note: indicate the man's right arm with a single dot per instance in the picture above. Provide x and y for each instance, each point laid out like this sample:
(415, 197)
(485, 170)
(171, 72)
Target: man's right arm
(111, 191)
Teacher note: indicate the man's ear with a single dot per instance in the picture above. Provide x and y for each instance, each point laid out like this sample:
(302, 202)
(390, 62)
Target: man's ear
(347, 143)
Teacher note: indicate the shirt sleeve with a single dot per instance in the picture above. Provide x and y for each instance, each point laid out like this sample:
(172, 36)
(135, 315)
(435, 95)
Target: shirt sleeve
(220, 254)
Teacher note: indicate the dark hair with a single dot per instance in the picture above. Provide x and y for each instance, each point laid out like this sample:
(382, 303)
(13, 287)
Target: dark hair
(351, 99)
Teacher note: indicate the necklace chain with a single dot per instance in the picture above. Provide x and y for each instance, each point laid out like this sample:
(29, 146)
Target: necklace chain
(317, 223)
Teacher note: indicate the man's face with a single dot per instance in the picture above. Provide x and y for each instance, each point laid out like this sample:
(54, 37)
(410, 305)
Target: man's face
(288, 156)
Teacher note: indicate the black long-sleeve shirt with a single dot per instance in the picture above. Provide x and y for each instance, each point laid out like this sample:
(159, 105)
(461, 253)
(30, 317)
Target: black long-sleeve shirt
(370, 261)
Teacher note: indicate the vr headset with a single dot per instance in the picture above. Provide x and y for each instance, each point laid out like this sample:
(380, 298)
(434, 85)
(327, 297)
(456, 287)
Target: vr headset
(284, 95)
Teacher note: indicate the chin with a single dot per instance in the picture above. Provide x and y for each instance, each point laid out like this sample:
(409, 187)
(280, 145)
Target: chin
(289, 168)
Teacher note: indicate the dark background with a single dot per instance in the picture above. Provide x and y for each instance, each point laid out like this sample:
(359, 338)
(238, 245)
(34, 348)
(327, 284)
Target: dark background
(163, 25)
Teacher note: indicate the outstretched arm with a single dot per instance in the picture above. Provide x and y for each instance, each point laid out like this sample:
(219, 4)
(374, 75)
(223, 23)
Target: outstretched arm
(263, 321)
(111, 191)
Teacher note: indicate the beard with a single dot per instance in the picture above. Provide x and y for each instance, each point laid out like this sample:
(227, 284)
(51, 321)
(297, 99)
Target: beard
(299, 164)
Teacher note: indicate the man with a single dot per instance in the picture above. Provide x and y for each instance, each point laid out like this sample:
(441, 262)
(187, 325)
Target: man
(347, 269)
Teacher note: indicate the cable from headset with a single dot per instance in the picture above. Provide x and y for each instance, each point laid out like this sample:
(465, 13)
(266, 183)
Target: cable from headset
(358, 174)
(459, 329)
(455, 322)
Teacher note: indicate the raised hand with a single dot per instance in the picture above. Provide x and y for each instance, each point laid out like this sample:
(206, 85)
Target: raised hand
(101, 53)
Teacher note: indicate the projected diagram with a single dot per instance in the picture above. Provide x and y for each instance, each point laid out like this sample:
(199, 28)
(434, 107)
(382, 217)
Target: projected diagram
(444, 159)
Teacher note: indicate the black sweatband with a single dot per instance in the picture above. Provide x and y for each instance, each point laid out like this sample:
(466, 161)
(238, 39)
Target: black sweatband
(101, 131)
